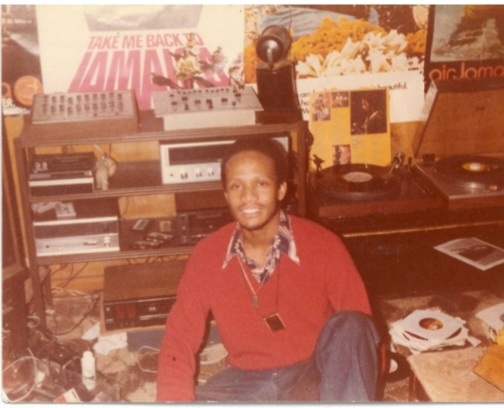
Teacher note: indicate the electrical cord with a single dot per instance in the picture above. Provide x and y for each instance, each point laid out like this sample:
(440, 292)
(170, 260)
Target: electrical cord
(84, 317)
(35, 371)
(72, 276)
(146, 370)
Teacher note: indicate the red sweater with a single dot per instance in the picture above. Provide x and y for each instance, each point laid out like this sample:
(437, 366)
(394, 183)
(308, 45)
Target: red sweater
(304, 295)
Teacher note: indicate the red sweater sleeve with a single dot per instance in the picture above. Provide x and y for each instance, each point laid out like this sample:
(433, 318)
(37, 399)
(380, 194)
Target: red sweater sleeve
(346, 290)
(182, 339)
(324, 250)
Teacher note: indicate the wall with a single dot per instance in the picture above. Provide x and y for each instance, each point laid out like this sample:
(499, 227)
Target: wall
(48, 61)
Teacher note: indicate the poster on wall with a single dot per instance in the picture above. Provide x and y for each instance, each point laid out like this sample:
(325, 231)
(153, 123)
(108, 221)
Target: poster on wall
(150, 48)
(145, 48)
(349, 47)
(21, 75)
(465, 42)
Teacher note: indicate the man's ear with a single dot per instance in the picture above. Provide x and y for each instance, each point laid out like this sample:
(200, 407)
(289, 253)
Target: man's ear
(282, 191)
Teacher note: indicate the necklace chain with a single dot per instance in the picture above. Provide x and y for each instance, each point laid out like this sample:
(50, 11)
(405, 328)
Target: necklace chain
(253, 293)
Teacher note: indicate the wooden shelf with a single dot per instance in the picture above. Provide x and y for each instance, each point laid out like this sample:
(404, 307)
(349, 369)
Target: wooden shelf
(134, 178)
(151, 129)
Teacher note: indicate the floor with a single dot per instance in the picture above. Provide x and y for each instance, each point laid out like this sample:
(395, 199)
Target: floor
(133, 367)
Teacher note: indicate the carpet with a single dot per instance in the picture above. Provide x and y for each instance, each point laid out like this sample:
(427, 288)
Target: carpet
(132, 369)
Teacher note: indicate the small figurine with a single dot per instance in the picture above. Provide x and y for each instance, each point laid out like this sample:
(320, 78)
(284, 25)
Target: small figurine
(318, 163)
(105, 168)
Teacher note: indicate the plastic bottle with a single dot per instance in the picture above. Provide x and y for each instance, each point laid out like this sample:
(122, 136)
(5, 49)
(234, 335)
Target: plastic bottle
(88, 369)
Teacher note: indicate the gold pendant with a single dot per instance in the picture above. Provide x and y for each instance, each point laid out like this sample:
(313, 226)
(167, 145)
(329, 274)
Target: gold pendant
(274, 322)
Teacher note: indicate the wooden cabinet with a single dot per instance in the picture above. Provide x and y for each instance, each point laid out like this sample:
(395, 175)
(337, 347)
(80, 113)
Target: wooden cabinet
(138, 175)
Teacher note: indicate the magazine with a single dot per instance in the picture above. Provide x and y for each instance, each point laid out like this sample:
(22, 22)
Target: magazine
(473, 251)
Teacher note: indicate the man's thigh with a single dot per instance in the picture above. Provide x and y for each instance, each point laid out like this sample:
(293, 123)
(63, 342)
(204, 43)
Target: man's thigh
(233, 384)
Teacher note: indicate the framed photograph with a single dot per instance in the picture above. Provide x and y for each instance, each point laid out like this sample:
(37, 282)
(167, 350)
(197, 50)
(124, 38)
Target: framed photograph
(464, 42)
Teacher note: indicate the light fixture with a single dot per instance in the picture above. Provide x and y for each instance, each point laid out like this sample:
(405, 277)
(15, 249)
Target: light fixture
(276, 80)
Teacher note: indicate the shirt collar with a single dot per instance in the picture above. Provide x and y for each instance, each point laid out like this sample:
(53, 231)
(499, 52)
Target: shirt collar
(283, 241)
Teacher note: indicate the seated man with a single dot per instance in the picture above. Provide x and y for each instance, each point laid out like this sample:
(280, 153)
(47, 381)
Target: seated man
(284, 292)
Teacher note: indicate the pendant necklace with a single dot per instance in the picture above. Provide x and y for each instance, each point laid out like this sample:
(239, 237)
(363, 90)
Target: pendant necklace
(273, 321)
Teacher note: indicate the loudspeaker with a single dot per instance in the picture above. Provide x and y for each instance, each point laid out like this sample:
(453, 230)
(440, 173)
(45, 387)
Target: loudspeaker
(14, 307)
(276, 90)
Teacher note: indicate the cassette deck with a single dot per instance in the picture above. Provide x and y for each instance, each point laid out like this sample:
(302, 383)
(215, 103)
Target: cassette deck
(140, 295)
(93, 229)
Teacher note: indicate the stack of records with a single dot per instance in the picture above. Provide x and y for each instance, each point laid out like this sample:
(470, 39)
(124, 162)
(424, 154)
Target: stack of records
(493, 317)
(425, 330)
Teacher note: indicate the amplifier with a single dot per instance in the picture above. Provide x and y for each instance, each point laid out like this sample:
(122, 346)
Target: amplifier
(93, 228)
(81, 114)
(195, 225)
(198, 161)
(53, 174)
(140, 295)
(206, 107)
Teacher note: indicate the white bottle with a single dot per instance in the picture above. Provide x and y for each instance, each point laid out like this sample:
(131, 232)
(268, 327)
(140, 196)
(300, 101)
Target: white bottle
(88, 369)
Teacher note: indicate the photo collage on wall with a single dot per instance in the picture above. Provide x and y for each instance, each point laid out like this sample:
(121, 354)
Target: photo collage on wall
(355, 122)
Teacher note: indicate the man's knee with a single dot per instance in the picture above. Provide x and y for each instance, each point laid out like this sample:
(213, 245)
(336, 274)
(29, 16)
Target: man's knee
(351, 323)
(348, 330)
(347, 357)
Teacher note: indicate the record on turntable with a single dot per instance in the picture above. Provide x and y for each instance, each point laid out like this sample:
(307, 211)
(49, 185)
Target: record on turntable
(472, 171)
(355, 182)
(466, 176)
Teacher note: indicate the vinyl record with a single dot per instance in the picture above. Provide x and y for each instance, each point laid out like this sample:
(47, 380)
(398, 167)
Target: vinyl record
(357, 182)
(398, 367)
(472, 171)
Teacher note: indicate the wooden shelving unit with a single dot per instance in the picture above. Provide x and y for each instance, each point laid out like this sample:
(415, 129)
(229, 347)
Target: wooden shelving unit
(134, 178)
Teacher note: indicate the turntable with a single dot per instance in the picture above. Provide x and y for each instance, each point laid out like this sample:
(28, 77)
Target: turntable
(356, 190)
(466, 176)
(357, 182)
(461, 142)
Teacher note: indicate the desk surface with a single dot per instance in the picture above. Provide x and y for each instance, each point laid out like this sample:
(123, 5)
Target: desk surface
(447, 376)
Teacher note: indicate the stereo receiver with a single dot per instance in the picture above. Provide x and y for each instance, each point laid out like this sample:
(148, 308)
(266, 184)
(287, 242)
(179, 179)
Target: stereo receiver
(198, 161)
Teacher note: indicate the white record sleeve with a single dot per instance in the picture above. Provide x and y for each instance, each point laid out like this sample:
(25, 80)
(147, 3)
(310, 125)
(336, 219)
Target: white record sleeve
(493, 316)
(431, 324)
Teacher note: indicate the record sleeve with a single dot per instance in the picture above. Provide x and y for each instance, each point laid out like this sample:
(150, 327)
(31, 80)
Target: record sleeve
(431, 325)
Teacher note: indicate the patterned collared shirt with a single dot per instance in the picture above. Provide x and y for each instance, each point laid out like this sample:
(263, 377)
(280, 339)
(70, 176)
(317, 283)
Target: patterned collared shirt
(283, 242)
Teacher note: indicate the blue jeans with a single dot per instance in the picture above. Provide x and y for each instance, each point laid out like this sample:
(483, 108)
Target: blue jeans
(343, 368)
